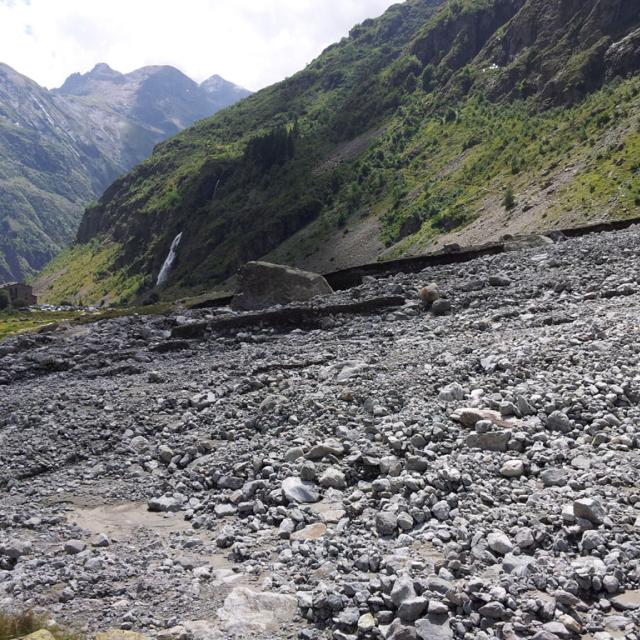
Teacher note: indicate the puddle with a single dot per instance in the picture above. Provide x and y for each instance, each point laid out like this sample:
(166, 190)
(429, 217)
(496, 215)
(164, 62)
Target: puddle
(122, 521)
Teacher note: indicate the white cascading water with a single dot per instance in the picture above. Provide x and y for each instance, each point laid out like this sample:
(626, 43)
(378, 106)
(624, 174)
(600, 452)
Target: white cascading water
(163, 276)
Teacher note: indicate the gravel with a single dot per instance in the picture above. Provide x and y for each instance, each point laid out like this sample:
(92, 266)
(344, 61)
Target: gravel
(463, 466)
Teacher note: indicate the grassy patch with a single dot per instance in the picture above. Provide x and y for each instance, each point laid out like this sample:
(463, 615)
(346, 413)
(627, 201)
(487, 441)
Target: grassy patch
(19, 625)
(87, 273)
(17, 322)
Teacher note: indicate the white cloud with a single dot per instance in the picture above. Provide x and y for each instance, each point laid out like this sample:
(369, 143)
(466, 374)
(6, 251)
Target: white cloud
(251, 42)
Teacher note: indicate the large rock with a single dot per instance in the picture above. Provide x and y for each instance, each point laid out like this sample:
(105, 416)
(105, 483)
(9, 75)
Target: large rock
(263, 285)
(296, 490)
(245, 612)
(434, 628)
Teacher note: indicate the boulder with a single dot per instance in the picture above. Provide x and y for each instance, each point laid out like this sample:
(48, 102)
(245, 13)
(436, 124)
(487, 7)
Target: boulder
(245, 612)
(263, 285)
(434, 627)
(296, 490)
(589, 509)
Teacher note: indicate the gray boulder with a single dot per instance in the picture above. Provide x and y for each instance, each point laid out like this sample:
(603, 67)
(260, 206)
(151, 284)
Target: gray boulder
(434, 627)
(296, 490)
(262, 285)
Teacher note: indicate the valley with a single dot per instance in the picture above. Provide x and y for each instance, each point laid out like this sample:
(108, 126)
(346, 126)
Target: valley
(353, 357)
(60, 149)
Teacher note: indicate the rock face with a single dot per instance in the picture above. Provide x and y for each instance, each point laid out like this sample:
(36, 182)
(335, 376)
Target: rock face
(389, 474)
(262, 285)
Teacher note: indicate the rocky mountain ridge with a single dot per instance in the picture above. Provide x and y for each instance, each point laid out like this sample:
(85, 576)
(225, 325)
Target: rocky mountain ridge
(61, 148)
(403, 137)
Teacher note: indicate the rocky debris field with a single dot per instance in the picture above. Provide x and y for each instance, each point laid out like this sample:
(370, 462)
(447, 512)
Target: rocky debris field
(464, 465)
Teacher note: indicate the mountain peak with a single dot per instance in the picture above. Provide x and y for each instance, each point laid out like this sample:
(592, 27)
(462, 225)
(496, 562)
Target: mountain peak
(80, 83)
(223, 91)
(102, 69)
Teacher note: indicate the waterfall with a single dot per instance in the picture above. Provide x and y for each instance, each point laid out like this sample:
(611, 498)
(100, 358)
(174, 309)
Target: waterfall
(168, 263)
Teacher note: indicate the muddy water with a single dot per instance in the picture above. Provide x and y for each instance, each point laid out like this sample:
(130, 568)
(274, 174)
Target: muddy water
(122, 521)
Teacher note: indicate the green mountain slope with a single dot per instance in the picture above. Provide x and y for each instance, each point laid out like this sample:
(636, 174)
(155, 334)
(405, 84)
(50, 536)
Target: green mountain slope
(405, 135)
(59, 149)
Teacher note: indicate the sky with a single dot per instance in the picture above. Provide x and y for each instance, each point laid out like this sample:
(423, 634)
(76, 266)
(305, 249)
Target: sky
(253, 43)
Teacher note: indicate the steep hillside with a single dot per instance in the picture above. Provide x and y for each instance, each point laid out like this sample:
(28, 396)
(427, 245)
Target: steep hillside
(59, 149)
(464, 118)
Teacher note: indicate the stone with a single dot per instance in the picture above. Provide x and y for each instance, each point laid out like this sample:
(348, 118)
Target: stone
(366, 623)
(437, 608)
(411, 609)
(494, 610)
(499, 542)
(590, 509)
(100, 540)
(451, 392)
(405, 521)
(628, 601)
(591, 540)
(164, 504)
(554, 477)
(165, 454)
(558, 421)
(441, 307)
(294, 453)
(434, 627)
(262, 285)
(308, 471)
(499, 280)
(441, 510)
(399, 631)
(74, 547)
(15, 549)
(512, 469)
(248, 612)
(403, 590)
(296, 490)
(386, 523)
(524, 538)
(333, 478)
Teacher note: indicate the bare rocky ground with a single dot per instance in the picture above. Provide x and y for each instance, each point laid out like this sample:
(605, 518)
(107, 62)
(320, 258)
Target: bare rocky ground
(395, 475)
